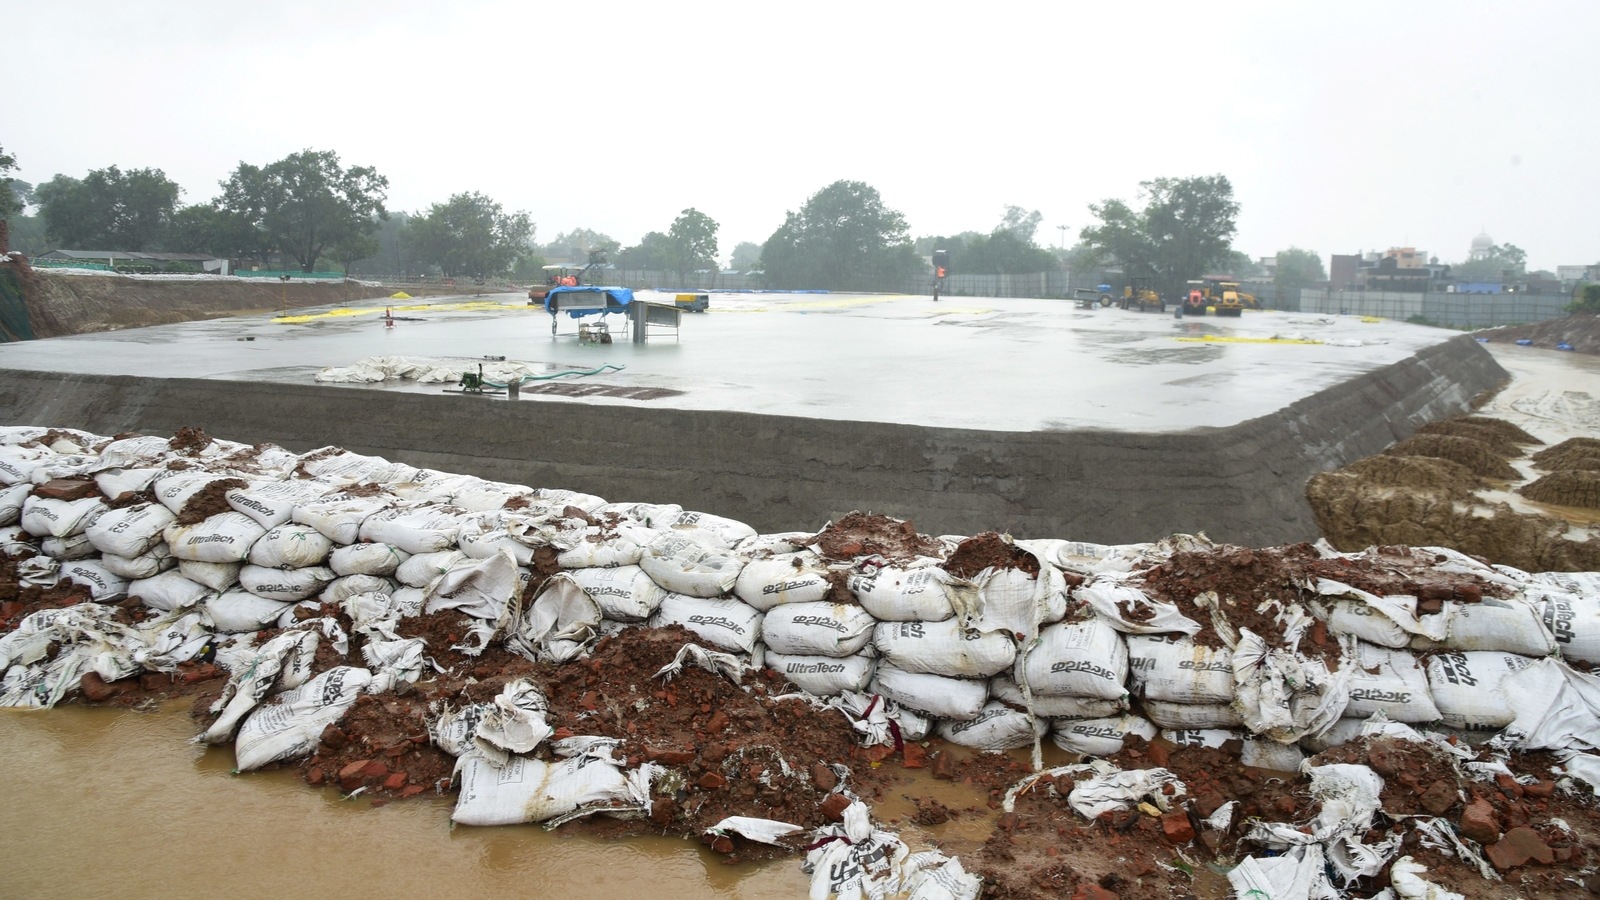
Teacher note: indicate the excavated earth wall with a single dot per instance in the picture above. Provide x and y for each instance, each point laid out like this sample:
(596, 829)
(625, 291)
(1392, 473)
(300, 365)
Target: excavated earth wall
(1242, 484)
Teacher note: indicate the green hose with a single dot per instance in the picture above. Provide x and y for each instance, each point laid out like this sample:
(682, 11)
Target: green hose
(527, 378)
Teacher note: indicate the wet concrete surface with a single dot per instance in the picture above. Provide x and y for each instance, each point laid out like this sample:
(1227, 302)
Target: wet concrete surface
(983, 363)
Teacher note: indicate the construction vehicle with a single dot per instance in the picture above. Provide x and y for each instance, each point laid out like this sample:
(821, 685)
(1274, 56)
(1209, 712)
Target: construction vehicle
(1227, 301)
(563, 275)
(1139, 295)
(1196, 297)
(1216, 285)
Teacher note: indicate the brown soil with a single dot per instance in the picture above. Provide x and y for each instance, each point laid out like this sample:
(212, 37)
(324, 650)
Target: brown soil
(989, 550)
(209, 500)
(865, 534)
(1580, 331)
(1478, 456)
(1570, 488)
(1573, 453)
(1502, 437)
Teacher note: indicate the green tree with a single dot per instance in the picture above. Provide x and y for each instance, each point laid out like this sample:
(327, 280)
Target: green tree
(1241, 266)
(208, 228)
(1021, 222)
(11, 200)
(1004, 252)
(109, 209)
(471, 235)
(1297, 269)
(655, 252)
(307, 202)
(1502, 262)
(746, 256)
(694, 242)
(577, 244)
(844, 237)
(1184, 228)
(1587, 301)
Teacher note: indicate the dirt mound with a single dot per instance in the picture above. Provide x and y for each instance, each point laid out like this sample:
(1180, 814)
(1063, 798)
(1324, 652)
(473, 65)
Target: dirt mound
(1580, 331)
(1478, 456)
(1580, 453)
(865, 534)
(1427, 472)
(1569, 488)
(1502, 442)
(989, 550)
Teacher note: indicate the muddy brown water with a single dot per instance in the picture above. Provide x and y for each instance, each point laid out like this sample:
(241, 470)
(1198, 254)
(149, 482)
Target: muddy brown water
(101, 802)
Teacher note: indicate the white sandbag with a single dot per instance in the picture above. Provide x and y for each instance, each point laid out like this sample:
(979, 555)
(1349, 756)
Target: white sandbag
(1017, 603)
(131, 530)
(939, 696)
(823, 676)
(285, 585)
(1558, 708)
(339, 517)
(1173, 667)
(1368, 623)
(1338, 734)
(705, 528)
(290, 724)
(1080, 659)
(1130, 610)
(118, 483)
(408, 600)
(726, 623)
(1209, 738)
(104, 585)
(1510, 626)
(624, 593)
(169, 591)
(11, 500)
(1468, 687)
(561, 498)
(482, 536)
(222, 538)
(892, 593)
(1280, 693)
(291, 546)
(216, 576)
(431, 487)
(639, 512)
(366, 559)
(156, 560)
(996, 727)
(685, 566)
(532, 790)
(482, 495)
(817, 629)
(942, 648)
(17, 463)
(785, 578)
(483, 589)
(1574, 621)
(622, 544)
(1087, 558)
(49, 517)
(425, 569)
(138, 450)
(238, 611)
(560, 625)
(1006, 690)
(1389, 682)
(424, 530)
(75, 546)
(1265, 753)
(778, 543)
(272, 503)
(336, 465)
(1183, 716)
(346, 586)
(1098, 737)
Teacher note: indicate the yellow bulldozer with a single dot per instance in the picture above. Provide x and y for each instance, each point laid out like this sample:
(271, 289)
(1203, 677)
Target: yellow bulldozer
(1221, 297)
(1140, 296)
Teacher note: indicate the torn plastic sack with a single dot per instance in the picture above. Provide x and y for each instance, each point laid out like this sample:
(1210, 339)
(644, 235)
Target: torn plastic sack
(514, 722)
(624, 593)
(290, 724)
(1282, 694)
(486, 590)
(1130, 610)
(560, 625)
(281, 663)
(532, 790)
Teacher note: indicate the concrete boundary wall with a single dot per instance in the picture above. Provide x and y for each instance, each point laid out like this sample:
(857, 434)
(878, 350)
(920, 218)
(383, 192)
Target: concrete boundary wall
(1243, 484)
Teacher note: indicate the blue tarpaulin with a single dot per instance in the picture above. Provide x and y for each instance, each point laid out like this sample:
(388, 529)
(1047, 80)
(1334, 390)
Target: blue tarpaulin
(617, 299)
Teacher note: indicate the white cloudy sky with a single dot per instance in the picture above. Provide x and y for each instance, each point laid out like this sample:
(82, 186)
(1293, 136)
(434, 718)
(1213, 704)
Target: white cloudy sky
(1343, 125)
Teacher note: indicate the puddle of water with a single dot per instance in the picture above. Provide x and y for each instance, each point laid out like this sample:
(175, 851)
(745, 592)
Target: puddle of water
(116, 803)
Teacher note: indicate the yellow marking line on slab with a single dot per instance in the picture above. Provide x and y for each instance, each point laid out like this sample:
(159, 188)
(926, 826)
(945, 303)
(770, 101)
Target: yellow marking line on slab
(1217, 339)
(465, 306)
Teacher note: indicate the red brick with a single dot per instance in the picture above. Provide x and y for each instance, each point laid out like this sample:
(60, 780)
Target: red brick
(95, 689)
(1479, 823)
(915, 757)
(669, 757)
(1519, 847)
(833, 806)
(395, 781)
(1175, 825)
(711, 781)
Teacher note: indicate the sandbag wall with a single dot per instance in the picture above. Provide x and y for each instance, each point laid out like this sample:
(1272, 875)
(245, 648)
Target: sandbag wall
(1058, 639)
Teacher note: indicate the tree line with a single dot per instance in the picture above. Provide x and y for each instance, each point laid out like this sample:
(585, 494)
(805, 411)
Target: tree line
(309, 207)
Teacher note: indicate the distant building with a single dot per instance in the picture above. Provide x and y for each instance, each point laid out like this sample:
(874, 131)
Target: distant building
(131, 259)
(1344, 271)
(1482, 247)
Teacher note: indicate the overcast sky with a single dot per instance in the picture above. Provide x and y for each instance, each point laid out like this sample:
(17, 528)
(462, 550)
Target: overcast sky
(1344, 126)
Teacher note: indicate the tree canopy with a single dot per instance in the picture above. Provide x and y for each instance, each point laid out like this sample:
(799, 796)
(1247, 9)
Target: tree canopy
(577, 244)
(306, 203)
(1297, 269)
(653, 253)
(694, 241)
(1501, 261)
(11, 202)
(746, 256)
(470, 235)
(844, 237)
(109, 209)
(1184, 228)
